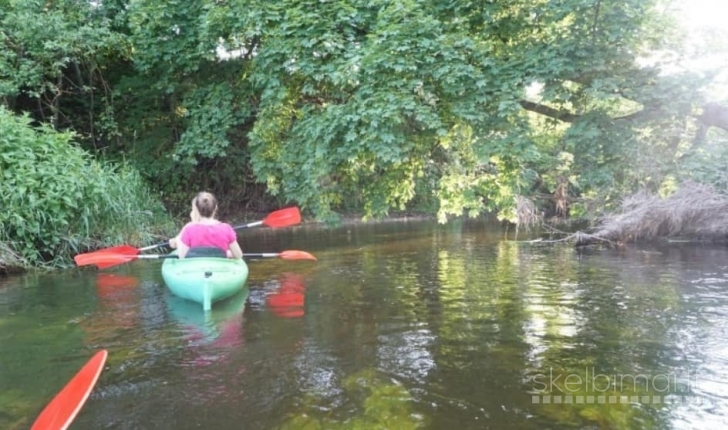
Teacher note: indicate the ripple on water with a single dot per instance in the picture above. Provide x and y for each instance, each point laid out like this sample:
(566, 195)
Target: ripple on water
(406, 354)
(459, 319)
(701, 352)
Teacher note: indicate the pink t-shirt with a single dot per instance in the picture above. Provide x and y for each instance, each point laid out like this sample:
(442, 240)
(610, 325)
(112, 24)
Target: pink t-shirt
(219, 235)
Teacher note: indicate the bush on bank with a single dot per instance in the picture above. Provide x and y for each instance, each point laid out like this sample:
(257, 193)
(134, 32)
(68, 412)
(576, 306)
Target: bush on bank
(58, 201)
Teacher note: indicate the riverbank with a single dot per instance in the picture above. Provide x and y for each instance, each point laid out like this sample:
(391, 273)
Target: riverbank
(10, 262)
(695, 212)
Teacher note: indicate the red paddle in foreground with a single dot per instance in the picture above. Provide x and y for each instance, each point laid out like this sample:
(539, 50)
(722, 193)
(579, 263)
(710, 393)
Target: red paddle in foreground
(61, 411)
(102, 260)
(277, 219)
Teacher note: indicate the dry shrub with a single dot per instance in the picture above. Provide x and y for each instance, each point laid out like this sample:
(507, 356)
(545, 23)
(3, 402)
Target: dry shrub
(694, 210)
(527, 214)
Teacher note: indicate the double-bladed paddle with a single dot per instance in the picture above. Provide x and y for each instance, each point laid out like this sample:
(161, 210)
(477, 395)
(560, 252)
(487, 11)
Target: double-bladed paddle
(277, 219)
(103, 260)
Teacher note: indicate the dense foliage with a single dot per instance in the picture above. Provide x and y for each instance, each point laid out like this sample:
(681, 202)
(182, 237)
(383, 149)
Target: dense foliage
(453, 107)
(58, 200)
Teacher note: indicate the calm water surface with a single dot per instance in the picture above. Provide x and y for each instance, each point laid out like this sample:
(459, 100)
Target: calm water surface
(397, 326)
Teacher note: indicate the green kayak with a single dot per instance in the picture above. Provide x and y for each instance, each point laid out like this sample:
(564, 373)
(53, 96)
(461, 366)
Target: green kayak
(204, 280)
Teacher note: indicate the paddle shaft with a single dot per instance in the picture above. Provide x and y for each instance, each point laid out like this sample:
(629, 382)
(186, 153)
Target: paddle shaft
(262, 255)
(253, 255)
(156, 256)
(276, 219)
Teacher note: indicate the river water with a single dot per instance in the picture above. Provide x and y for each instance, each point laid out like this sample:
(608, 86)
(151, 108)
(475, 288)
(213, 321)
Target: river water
(399, 325)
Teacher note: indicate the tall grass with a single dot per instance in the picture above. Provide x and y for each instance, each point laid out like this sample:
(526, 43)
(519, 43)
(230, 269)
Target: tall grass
(58, 201)
(118, 209)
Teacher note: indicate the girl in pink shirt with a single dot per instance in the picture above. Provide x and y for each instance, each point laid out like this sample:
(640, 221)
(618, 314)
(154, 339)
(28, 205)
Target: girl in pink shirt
(206, 231)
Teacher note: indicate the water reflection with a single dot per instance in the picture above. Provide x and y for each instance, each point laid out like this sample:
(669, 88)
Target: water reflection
(119, 301)
(221, 326)
(398, 326)
(288, 300)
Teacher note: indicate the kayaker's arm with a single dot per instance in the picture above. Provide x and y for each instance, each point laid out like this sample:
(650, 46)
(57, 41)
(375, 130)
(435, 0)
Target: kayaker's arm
(236, 251)
(182, 249)
(178, 239)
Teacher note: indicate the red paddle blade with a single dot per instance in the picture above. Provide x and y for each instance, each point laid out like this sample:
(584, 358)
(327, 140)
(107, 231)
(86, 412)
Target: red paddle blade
(283, 218)
(121, 249)
(107, 264)
(59, 413)
(102, 260)
(91, 257)
(296, 255)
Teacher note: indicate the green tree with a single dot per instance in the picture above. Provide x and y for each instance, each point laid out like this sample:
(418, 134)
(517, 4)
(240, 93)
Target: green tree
(457, 107)
(362, 100)
(53, 60)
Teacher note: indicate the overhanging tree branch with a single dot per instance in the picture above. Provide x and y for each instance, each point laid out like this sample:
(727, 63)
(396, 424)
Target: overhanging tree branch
(570, 117)
(548, 111)
(714, 115)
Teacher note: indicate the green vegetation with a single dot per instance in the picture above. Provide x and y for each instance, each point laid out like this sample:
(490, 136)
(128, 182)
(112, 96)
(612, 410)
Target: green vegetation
(61, 201)
(450, 107)
(384, 406)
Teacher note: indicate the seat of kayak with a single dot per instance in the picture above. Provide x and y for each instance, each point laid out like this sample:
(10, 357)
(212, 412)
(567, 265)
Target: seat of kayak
(206, 251)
